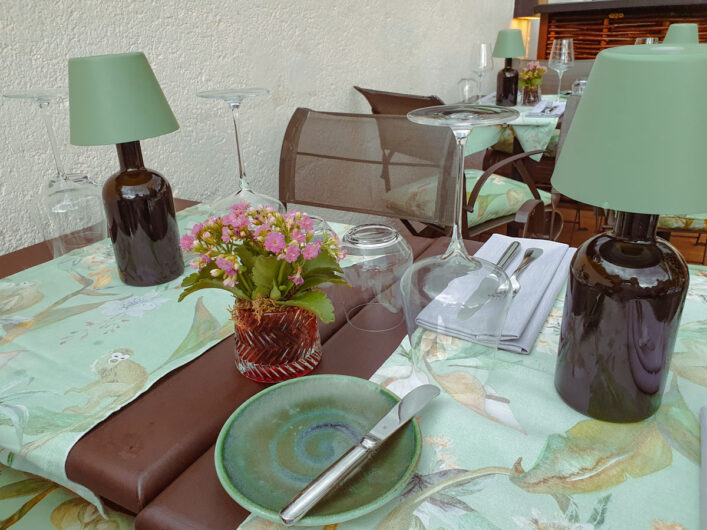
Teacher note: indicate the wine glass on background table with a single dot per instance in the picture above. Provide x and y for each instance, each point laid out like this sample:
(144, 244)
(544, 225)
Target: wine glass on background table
(647, 40)
(455, 305)
(72, 215)
(561, 59)
(481, 66)
(243, 192)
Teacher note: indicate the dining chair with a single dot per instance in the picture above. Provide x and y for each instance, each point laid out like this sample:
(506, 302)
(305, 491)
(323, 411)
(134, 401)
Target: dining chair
(396, 103)
(386, 165)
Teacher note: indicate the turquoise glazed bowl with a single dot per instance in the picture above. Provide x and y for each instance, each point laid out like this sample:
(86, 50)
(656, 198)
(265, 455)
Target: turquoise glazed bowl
(279, 440)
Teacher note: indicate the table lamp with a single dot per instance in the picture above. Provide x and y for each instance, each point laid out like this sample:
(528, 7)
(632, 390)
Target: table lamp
(116, 99)
(509, 44)
(636, 145)
(682, 34)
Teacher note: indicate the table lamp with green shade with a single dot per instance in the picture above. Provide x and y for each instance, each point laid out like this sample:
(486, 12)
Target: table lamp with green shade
(509, 44)
(636, 145)
(116, 99)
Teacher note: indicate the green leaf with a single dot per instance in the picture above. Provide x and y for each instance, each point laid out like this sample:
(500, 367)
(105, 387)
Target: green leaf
(191, 279)
(691, 364)
(212, 284)
(315, 301)
(275, 292)
(322, 261)
(265, 271)
(594, 456)
(318, 279)
(678, 424)
(246, 256)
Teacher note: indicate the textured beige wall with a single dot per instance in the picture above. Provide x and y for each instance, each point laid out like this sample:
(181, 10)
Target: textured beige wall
(307, 52)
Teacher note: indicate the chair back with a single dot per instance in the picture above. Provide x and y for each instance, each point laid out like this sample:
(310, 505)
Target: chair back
(396, 103)
(350, 161)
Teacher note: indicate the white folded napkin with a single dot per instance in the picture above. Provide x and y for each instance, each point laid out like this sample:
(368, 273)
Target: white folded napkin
(540, 283)
(547, 109)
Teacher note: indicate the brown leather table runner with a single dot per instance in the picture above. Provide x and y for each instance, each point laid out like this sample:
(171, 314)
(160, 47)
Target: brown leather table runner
(196, 500)
(137, 451)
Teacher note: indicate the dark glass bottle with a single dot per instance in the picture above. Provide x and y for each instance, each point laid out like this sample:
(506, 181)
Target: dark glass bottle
(141, 221)
(507, 86)
(621, 314)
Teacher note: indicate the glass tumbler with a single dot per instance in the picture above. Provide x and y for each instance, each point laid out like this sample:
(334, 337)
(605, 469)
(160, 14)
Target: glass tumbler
(377, 257)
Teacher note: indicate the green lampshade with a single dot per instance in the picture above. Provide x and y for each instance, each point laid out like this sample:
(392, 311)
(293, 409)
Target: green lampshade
(116, 99)
(636, 142)
(682, 34)
(509, 43)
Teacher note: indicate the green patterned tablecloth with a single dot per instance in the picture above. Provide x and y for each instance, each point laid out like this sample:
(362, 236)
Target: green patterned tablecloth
(509, 454)
(532, 133)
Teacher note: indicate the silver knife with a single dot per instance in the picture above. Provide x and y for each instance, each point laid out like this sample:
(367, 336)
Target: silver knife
(487, 287)
(413, 402)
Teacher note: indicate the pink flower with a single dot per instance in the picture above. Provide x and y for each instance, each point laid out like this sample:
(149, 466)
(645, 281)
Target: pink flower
(195, 264)
(205, 258)
(225, 265)
(186, 242)
(311, 251)
(275, 242)
(225, 235)
(240, 207)
(196, 229)
(299, 236)
(292, 253)
(296, 278)
(262, 228)
(230, 281)
(306, 223)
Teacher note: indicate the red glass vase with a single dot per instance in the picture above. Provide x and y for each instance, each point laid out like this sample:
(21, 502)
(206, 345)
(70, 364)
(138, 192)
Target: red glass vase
(278, 345)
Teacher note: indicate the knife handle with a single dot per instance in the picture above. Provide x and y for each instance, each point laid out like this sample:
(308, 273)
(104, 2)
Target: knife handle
(329, 480)
(508, 254)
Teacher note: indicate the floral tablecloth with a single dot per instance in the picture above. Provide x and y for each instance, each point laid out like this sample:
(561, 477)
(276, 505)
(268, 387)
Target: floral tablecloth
(532, 133)
(505, 454)
(73, 350)
(509, 454)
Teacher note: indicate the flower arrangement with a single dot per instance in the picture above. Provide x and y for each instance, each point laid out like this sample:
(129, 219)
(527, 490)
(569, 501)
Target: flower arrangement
(532, 74)
(265, 259)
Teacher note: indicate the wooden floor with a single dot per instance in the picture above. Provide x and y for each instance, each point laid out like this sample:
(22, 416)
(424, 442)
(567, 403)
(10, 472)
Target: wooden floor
(685, 243)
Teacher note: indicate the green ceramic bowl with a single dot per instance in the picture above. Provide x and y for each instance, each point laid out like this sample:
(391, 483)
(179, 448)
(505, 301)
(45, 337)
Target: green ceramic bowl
(279, 440)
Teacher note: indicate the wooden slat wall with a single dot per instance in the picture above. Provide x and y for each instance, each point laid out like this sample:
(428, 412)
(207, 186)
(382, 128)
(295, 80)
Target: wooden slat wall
(597, 30)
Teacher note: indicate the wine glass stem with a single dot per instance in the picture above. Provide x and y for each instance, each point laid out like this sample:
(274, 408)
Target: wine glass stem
(456, 245)
(559, 83)
(243, 183)
(43, 106)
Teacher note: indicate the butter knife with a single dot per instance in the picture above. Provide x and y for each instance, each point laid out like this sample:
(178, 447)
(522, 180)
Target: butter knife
(413, 402)
(487, 287)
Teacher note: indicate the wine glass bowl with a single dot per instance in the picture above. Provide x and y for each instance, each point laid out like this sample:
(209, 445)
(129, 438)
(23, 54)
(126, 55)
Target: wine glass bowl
(72, 214)
(455, 302)
(234, 97)
(561, 59)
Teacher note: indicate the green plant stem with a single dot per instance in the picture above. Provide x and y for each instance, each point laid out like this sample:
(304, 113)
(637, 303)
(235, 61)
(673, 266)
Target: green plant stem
(281, 272)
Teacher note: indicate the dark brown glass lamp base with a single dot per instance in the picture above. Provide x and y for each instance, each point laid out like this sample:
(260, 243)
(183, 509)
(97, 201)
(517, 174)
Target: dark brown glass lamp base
(622, 310)
(142, 223)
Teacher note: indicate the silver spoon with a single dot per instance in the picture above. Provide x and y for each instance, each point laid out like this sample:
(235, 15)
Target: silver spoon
(530, 255)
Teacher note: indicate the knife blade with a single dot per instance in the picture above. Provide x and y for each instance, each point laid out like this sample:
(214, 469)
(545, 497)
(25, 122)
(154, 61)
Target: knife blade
(487, 287)
(413, 402)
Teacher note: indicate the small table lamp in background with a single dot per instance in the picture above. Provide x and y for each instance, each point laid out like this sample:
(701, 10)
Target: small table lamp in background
(116, 99)
(636, 145)
(509, 44)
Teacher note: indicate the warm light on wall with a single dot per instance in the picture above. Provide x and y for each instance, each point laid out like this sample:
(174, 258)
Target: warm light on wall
(525, 25)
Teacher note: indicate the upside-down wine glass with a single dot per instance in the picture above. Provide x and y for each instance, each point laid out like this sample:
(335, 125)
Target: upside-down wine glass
(481, 65)
(72, 214)
(561, 59)
(233, 98)
(455, 305)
